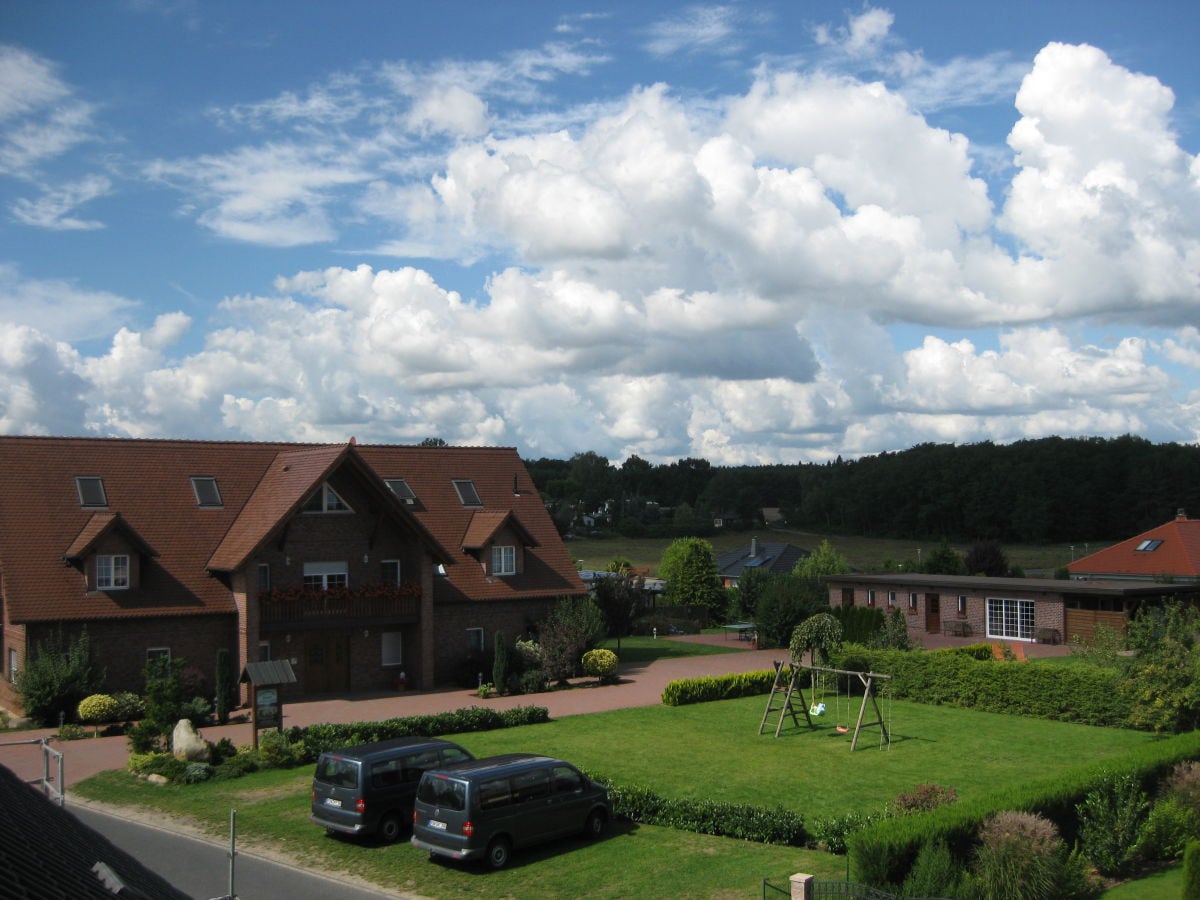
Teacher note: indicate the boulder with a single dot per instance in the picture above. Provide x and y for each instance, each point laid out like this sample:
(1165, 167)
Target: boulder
(187, 744)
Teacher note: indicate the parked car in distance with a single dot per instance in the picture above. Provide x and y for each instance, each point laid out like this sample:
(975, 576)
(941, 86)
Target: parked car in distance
(369, 789)
(486, 808)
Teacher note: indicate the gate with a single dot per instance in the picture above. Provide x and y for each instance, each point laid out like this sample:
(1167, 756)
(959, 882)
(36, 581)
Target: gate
(48, 781)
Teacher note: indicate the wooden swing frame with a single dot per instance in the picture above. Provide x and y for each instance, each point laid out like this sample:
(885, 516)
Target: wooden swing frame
(792, 672)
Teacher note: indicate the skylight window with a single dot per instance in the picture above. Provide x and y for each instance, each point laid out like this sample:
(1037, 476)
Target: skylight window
(206, 491)
(400, 488)
(466, 492)
(91, 490)
(1148, 546)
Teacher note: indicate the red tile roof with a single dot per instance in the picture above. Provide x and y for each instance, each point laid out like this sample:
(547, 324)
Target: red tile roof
(1177, 554)
(148, 486)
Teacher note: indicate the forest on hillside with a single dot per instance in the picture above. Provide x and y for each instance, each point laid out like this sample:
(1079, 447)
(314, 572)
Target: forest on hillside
(1049, 490)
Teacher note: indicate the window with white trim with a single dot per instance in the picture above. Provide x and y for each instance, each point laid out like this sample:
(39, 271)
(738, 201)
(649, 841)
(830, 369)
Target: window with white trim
(325, 576)
(326, 500)
(891, 598)
(962, 603)
(870, 597)
(392, 648)
(1010, 618)
(12, 665)
(504, 560)
(912, 600)
(112, 572)
(389, 571)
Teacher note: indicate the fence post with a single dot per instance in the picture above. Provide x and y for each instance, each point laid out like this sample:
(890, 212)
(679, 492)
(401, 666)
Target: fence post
(802, 886)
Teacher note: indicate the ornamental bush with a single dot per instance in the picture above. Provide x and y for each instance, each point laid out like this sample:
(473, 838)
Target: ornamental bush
(602, 664)
(98, 709)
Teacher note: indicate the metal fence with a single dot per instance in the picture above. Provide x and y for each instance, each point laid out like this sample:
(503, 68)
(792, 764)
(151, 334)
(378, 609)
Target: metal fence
(51, 782)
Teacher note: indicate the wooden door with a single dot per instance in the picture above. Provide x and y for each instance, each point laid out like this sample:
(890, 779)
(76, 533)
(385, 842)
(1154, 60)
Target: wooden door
(933, 613)
(326, 669)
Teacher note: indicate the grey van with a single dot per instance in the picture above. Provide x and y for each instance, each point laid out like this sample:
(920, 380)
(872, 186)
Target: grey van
(485, 808)
(368, 789)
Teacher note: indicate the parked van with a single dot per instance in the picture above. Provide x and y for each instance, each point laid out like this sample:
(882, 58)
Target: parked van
(369, 789)
(486, 808)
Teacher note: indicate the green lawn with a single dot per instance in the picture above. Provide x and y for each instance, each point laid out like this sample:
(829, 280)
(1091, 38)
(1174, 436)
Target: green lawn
(708, 750)
(644, 649)
(1167, 883)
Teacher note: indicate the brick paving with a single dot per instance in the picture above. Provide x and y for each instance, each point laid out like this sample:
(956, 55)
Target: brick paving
(640, 685)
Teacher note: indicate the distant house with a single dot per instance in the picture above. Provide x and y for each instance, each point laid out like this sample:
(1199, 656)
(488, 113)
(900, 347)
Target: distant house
(1008, 609)
(774, 558)
(1170, 551)
(354, 562)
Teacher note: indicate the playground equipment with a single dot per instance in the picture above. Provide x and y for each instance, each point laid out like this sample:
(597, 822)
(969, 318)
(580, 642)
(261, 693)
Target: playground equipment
(787, 685)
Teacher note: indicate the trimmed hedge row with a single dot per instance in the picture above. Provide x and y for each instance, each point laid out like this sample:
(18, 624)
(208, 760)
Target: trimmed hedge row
(882, 853)
(766, 825)
(720, 687)
(332, 736)
(1083, 694)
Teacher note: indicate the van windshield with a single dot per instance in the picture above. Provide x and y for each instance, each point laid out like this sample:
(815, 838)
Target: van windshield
(447, 793)
(336, 771)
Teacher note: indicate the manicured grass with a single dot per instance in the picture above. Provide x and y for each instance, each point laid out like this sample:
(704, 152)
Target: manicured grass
(1167, 883)
(710, 750)
(643, 648)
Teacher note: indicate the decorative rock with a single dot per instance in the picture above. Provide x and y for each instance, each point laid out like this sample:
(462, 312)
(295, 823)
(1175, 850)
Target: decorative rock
(155, 778)
(187, 744)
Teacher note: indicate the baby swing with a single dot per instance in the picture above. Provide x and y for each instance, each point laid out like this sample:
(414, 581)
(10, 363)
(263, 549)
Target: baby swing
(818, 706)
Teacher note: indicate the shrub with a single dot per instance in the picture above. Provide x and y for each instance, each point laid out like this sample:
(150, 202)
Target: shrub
(221, 750)
(1168, 828)
(129, 706)
(163, 764)
(722, 687)
(533, 681)
(832, 834)
(500, 662)
(1017, 858)
(197, 772)
(97, 709)
(224, 688)
(236, 766)
(573, 627)
(1191, 871)
(923, 798)
(277, 750)
(57, 676)
(146, 737)
(69, 731)
(934, 874)
(602, 664)
(1110, 819)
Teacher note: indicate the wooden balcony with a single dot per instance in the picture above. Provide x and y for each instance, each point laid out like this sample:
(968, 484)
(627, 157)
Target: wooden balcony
(395, 602)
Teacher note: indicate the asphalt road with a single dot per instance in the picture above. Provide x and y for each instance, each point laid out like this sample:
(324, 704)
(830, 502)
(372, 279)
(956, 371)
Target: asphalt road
(200, 867)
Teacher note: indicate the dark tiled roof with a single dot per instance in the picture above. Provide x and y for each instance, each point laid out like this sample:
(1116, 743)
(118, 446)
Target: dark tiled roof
(1177, 554)
(955, 584)
(148, 484)
(45, 852)
(775, 558)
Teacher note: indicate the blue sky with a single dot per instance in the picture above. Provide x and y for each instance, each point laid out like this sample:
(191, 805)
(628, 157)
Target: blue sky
(751, 232)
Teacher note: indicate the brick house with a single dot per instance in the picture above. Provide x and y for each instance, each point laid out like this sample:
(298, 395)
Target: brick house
(1008, 609)
(354, 562)
(1170, 551)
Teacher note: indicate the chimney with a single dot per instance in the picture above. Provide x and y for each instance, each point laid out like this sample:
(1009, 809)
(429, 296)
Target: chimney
(1181, 513)
(753, 548)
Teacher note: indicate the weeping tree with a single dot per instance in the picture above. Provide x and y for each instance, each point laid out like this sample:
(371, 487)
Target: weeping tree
(821, 634)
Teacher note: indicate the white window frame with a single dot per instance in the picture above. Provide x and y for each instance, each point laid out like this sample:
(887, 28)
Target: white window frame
(330, 503)
(912, 599)
(391, 649)
(870, 597)
(326, 576)
(109, 576)
(962, 603)
(390, 571)
(1011, 618)
(891, 598)
(504, 559)
(12, 665)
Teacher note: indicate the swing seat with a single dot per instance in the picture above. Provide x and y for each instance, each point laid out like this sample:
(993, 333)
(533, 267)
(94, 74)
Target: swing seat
(817, 709)
(841, 729)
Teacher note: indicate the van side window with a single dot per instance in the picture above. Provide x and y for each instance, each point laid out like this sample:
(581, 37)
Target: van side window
(531, 785)
(337, 772)
(453, 755)
(567, 780)
(494, 793)
(444, 792)
(417, 763)
(385, 774)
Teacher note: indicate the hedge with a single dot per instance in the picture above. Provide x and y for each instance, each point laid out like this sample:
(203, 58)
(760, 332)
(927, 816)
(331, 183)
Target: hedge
(1191, 871)
(882, 853)
(1082, 694)
(332, 736)
(765, 825)
(720, 687)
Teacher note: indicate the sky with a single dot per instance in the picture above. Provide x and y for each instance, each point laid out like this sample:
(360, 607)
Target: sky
(768, 232)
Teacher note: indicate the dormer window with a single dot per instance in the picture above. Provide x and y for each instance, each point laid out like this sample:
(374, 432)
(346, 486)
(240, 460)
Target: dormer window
(112, 572)
(208, 495)
(91, 490)
(326, 500)
(466, 492)
(400, 488)
(504, 560)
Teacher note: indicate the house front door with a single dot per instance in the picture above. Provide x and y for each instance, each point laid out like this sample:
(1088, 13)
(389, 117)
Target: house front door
(325, 663)
(933, 613)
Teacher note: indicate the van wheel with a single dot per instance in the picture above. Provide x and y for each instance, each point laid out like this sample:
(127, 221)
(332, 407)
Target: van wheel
(594, 826)
(389, 828)
(498, 852)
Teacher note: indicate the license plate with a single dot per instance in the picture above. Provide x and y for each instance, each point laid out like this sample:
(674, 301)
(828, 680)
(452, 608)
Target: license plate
(434, 823)
(333, 801)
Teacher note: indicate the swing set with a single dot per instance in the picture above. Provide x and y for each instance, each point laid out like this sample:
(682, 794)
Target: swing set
(787, 684)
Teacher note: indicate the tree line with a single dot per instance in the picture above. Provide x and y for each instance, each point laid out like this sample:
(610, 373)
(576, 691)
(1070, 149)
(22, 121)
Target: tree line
(1049, 490)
